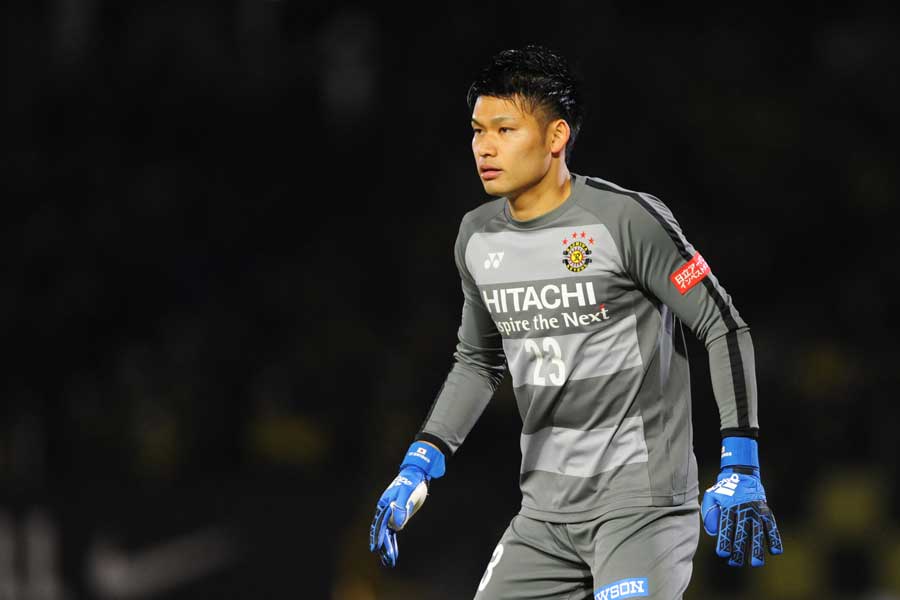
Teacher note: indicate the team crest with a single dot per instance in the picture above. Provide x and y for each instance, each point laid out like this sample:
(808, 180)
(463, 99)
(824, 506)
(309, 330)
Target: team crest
(577, 255)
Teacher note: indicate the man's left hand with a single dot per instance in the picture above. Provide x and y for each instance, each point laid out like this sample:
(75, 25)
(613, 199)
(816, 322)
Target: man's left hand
(735, 508)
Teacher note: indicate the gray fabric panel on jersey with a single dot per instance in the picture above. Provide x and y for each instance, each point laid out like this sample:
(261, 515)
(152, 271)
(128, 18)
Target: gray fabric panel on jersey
(606, 400)
(516, 249)
(626, 485)
(599, 351)
(564, 451)
(579, 304)
(628, 553)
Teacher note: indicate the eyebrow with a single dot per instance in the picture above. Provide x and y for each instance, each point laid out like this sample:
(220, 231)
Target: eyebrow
(494, 120)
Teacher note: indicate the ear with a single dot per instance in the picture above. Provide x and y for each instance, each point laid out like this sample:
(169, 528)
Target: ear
(558, 133)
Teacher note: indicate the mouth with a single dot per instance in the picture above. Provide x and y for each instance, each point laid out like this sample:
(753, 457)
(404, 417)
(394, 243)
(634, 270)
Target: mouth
(488, 173)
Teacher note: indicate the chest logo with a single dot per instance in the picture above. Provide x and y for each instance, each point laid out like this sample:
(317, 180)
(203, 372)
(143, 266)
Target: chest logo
(493, 260)
(577, 254)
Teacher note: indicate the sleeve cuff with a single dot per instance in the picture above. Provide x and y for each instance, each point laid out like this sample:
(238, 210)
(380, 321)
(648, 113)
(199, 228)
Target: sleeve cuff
(433, 439)
(745, 432)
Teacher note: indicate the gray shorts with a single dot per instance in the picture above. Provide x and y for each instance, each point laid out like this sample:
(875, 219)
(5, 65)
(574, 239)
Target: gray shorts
(642, 552)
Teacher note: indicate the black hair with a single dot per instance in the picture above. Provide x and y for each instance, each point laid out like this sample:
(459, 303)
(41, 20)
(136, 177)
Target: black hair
(538, 78)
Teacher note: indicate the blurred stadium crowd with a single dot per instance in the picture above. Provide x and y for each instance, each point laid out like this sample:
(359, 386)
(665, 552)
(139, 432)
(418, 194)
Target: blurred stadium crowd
(231, 295)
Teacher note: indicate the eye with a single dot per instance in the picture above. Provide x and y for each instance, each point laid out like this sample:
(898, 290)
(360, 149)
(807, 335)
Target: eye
(505, 129)
(476, 130)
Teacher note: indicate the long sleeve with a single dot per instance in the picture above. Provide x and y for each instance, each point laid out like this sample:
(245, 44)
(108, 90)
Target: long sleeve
(662, 261)
(479, 365)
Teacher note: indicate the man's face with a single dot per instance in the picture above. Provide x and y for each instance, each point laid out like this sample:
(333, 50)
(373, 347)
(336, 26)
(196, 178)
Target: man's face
(511, 148)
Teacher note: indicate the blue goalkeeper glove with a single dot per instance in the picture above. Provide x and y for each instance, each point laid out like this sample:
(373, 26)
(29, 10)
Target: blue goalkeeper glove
(402, 498)
(735, 507)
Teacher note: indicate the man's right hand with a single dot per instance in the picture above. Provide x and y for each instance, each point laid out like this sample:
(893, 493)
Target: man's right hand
(402, 498)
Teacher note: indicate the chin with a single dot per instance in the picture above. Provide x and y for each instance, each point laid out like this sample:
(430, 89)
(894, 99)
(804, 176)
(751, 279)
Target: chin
(495, 188)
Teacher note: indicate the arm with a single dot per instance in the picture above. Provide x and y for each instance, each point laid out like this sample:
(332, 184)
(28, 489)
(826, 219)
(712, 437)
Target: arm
(478, 368)
(667, 266)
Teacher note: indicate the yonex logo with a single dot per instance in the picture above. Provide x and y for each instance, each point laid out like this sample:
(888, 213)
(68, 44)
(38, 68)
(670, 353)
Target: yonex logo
(624, 588)
(727, 486)
(493, 260)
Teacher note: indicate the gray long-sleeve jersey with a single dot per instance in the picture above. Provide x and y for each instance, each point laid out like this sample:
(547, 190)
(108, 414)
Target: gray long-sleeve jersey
(584, 305)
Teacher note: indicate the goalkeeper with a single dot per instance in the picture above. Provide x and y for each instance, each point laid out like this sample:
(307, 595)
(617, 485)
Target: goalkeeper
(580, 289)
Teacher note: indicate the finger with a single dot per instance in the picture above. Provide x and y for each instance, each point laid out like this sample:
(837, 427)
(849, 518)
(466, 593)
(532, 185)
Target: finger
(406, 503)
(399, 516)
(757, 556)
(384, 551)
(711, 519)
(726, 533)
(772, 533)
(709, 511)
(390, 551)
(741, 537)
(379, 524)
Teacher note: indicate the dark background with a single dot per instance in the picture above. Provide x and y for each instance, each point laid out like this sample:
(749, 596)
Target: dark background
(230, 294)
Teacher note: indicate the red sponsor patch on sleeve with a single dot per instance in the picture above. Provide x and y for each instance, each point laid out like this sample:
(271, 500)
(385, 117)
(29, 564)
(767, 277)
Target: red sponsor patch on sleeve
(690, 274)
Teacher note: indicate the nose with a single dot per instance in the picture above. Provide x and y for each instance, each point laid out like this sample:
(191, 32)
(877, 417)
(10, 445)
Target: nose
(483, 147)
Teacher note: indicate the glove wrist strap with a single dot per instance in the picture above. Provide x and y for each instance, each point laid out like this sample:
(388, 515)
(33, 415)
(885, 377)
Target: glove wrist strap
(740, 451)
(425, 457)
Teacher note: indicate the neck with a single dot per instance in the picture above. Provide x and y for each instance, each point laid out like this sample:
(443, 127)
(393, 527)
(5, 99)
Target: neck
(548, 193)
